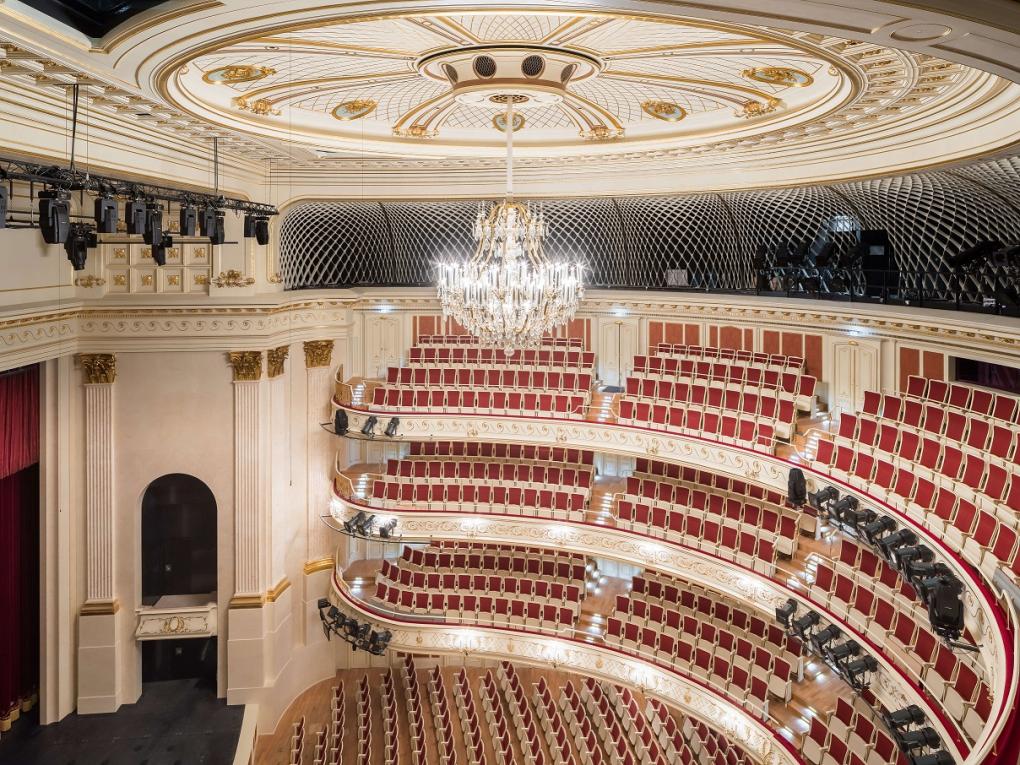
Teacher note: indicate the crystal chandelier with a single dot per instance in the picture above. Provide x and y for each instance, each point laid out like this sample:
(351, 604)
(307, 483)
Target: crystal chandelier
(508, 294)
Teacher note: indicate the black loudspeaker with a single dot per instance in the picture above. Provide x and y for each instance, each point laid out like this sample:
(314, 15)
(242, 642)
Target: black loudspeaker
(796, 487)
(106, 215)
(262, 231)
(207, 222)
(189, 220)
(881, 277)
(340, 422)
(153, 234)
(54, 216)
(134, 216)
(945, 610)
(219, 232)
(249, 225)
(4, 196)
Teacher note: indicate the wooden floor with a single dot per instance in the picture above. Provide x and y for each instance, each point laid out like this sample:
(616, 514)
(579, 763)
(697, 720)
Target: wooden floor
(314, 706)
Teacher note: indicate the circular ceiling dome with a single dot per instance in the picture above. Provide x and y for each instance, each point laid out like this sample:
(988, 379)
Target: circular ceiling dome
(671, 96)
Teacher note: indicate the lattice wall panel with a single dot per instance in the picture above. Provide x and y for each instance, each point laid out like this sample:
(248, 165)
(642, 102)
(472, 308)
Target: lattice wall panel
(335, 244)
(425, 233)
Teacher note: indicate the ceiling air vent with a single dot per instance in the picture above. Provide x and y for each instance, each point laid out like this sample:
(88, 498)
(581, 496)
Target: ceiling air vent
(532, 66)
(451, 73)
(567, 73)
(484, 66)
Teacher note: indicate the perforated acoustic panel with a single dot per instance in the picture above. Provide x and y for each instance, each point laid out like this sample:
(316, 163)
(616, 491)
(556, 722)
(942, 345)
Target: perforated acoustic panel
(706, 241)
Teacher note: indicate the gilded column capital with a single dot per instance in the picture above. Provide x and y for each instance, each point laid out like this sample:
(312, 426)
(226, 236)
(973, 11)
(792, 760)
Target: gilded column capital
(318, 353)
(98, 368)
(247, 365)
(275, 358)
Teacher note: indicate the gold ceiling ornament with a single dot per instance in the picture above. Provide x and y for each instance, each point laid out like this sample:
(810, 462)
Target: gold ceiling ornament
(415, 131)
(779, 75)
(98, 368)
(263, 107)
(238, 73)
(356, 109)
(318, 353)
(246, 365)
(499, 121)
(752, 108)
(602, 133)
(233, 278)
(664, 110)
(275, 359)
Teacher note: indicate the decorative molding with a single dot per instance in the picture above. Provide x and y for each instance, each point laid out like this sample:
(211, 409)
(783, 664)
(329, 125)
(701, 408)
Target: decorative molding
(320, 564)
(193, 621)
(98, 368)
(89, 281)
(100, 608)
(247, 365)
(247, 601)
(274, 593)
(233, 278)
(318, 353)
(275, 358)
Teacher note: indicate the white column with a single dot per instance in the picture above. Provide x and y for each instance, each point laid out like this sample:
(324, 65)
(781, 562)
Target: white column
(321, 445)
(99, 644)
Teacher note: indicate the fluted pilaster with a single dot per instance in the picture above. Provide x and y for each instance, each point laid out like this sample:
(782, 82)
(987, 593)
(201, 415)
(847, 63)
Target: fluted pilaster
(249, 552)
(99, 372)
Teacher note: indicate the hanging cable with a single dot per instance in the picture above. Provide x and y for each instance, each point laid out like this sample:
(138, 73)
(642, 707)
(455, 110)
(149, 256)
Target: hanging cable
(74, 121)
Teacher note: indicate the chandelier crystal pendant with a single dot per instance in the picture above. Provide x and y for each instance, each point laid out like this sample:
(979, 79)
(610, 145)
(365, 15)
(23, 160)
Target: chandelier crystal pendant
(508, 294)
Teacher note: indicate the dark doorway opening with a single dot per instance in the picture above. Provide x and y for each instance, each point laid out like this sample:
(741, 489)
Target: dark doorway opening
(180, 659)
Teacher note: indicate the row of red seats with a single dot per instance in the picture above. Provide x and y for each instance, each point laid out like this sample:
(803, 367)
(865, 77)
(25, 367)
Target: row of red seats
(793, 384)
(712, 745)
(442, 720)
(520, 713)
(984, 538)
(497, 357)
(486, 450)
(482, 498)
(697, 421)
(581, 727)
(454, 556)
(465, 470)
(728, 354)
(546, 342)
(477, 584)
(623, 749)
(571, 406)
(364, 723)
(751, 401)
(648, 747)
(468, 714)
(849, 735)
(415, 718)
(552, 724)
(499, 729)
(1000, 406)
(390, 718)
(496, 379)
(718, 482)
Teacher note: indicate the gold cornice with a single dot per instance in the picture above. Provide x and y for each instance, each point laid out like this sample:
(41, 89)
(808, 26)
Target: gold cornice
(247, 601)
(320, 564)
(247, 365)
(98, 368)
(274, 593)
(275, 360)
(100, 608)
(318, 353)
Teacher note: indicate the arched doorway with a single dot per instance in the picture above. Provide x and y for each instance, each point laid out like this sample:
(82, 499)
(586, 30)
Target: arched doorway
(178, 559)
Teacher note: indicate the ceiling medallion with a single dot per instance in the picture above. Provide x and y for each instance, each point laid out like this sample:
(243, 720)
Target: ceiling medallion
(499, 122)
(238, 73)
(509, 294)
(664, 110)
(602, 133)
(754, 108)
(356, 109)
(415, 131)
(779, 75)
(262, 107)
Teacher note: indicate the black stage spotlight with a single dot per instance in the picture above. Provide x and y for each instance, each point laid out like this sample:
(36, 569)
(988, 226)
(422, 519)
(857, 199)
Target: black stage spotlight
(134, 216)
(796, 487)
(820, 498)
(907, 558)
(340, 422)
(845, 650)
(904, 718)
(824, 636)
(159, 248)
(922, 738)
(249, 225)
(927, 577)
(378, 642)
(54, 216)
(386, 530)
(945, 608)
(219, 232)
(941, 757)
(369, 427)
(153, 234)
(857, 669)
(4, 197)
(323, 603)
(76, 245)
(888, 544)
(840, 509)
(785, 612)
(106, 215)
(189, 219)
(207, 221)
(391, 427)
(860, 517)
(262, 230)
(874, 530)
(802, 626)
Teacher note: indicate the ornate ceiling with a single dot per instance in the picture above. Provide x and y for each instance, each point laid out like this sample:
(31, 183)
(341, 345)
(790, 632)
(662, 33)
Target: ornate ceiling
(435, 86)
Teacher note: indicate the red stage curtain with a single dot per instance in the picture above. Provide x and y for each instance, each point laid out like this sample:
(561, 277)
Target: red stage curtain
(19, 420)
